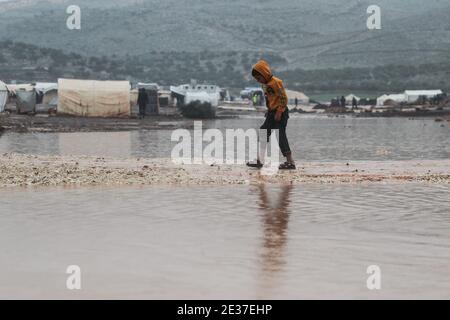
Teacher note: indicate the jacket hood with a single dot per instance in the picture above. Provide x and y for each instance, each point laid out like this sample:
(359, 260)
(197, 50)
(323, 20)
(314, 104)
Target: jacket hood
(264, 69)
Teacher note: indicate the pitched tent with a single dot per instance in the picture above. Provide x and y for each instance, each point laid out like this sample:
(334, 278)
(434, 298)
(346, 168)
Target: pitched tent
(45, 86)
(50, 98)
(151, 89)
(90, 98)
(350, 97)
(301, 97)
(26, 101)
(13, 88)
(414, 95)
(134, 94)
(398, 98)
(3, 96)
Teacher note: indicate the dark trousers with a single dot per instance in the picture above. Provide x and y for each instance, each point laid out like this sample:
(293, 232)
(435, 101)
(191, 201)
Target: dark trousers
(270, 124)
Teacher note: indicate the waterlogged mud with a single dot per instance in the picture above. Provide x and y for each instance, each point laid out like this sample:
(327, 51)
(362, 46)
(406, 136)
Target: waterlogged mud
(31, 170)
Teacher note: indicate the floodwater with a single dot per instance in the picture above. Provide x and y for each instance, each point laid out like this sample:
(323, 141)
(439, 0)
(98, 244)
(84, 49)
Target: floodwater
(311, 139)
(258, 242)
(230, 242)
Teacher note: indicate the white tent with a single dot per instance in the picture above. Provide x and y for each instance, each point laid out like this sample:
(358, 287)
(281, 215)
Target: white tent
(44, 87)
(13, 88)
(212, 98)
(350, 97)
(394, 97)
(414, 95)
(301, 97)
(26, 101)
(91, 98)
(3, 96)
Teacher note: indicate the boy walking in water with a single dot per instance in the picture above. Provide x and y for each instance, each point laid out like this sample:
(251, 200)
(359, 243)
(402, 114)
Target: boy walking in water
(278, 113)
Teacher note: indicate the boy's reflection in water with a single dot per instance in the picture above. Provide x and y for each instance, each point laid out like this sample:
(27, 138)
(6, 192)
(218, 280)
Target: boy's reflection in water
(275, 224)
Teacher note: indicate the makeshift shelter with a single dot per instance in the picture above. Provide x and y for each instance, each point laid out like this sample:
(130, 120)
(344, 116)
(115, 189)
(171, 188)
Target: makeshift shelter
(3, 96)
(151, 89)
(50, 98)
(26, 101)
(90, 98)
(414, 95)
(134, 108)
(165, 99)
(12, 88)
(349, 98)
(134, 94)
(392, 98)
(301, 97)
(147, 86)
(45, 86)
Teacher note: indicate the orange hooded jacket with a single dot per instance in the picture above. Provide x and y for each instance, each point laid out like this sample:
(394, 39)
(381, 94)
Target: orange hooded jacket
(273, 88)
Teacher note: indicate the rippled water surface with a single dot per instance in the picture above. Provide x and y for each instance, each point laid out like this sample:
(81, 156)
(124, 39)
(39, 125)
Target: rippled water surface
(312, 139)
(308, 241)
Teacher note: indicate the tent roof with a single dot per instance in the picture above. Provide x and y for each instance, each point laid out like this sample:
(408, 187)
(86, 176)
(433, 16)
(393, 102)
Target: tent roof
(90, 84)
(392, 96)
(422, 92)
(296, 94)
(46, 86)
(93, 98)
(3, 96)
(351, 96)
(22, 87)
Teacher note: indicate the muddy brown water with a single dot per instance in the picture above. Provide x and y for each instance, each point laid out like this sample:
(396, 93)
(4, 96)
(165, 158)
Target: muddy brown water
(256, 241)
(311, 139)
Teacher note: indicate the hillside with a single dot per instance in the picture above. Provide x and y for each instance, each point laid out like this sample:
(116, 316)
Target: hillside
(306, 34)
(25, 63)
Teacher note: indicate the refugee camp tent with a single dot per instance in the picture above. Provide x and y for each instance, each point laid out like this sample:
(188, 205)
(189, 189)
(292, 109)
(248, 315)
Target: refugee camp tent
(134, 108)
(414, 95)
(45, 86)
(12, 88)
(134, 94)
(151, 90)
(301, 97)
(212, 98)
(48, 93)
(91, 98)
(26, 101)
(147, 86)
(3, 96)
(50, 98)
(398, 98)
(349, 98)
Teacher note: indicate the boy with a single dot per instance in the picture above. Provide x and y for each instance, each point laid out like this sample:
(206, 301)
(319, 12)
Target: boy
(278, 113)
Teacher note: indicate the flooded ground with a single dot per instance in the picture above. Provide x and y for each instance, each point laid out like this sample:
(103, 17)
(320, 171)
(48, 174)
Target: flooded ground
(311, 139)
(258, 242)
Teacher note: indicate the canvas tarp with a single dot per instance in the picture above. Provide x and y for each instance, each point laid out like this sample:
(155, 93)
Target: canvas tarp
(13, 88)
(26, 101)
(301, 97)
(45, 87)
(414, 95)
(3, 96)
(50, 97)
(91, 98)
(350, 97)
(396, 98)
